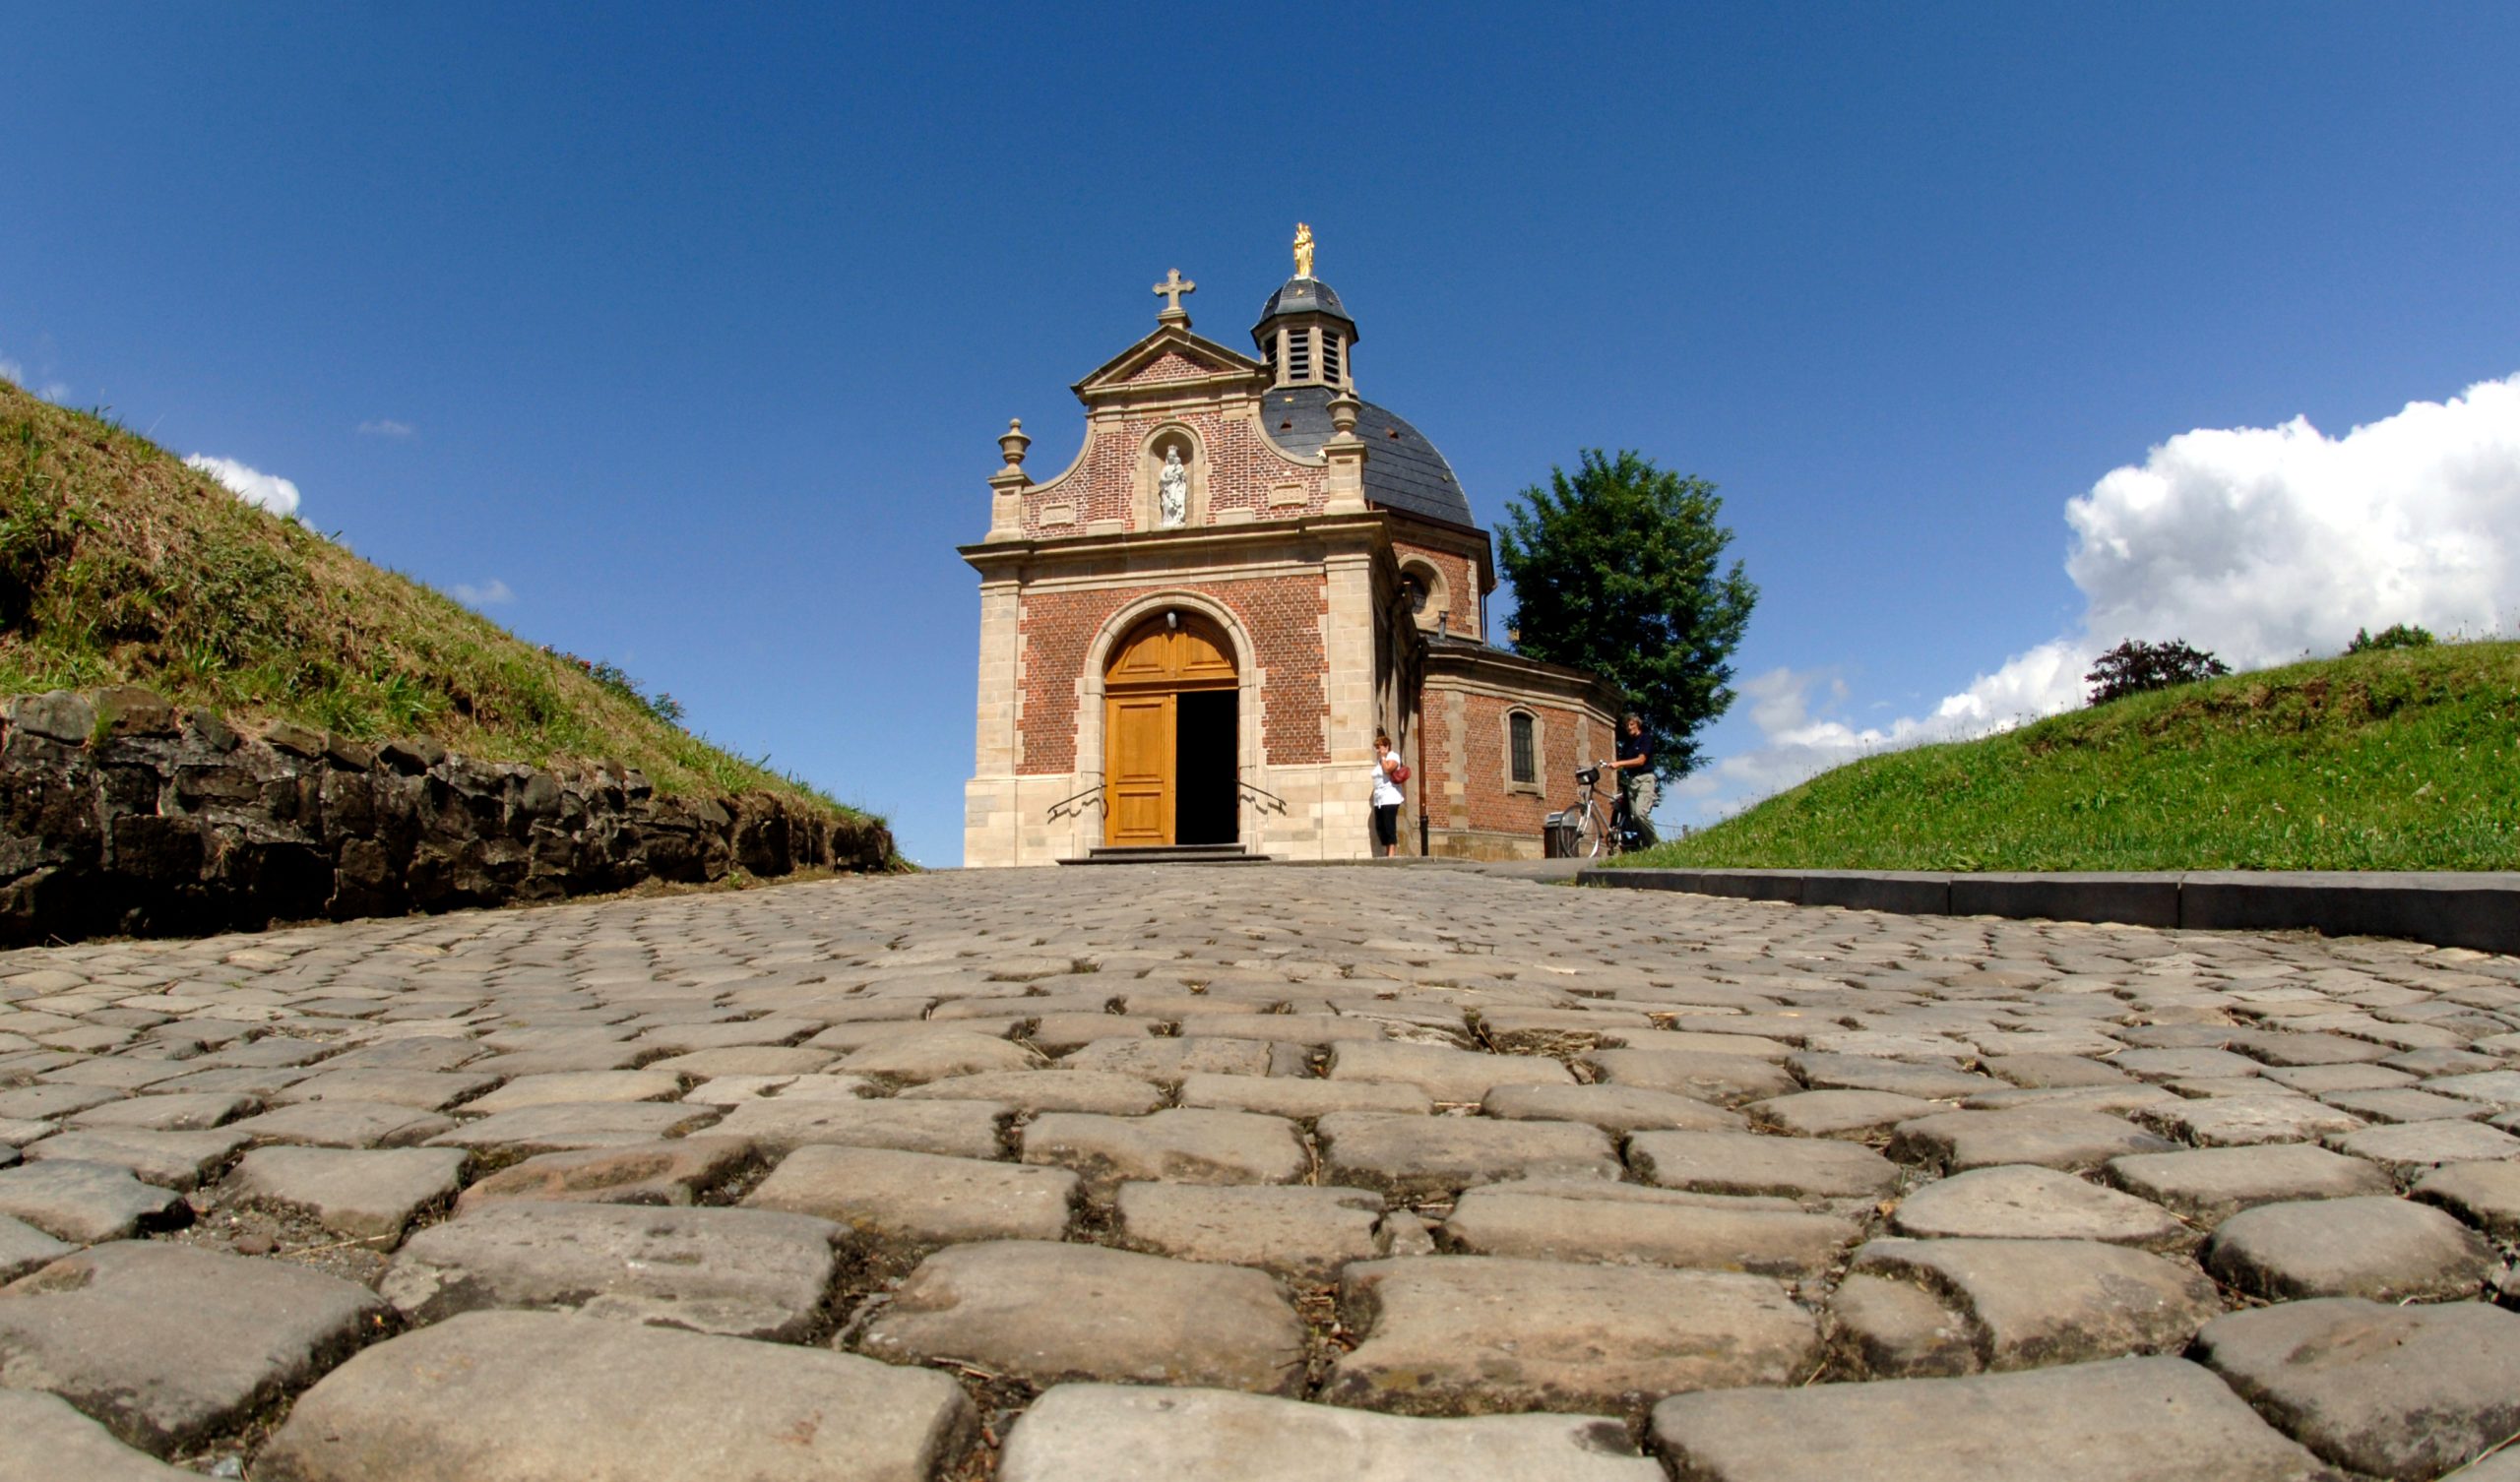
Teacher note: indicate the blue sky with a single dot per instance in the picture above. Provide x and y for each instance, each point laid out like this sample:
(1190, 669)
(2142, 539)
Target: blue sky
(681, 336)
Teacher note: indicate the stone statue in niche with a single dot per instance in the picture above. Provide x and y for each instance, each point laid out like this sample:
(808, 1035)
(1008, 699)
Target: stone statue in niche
(1172, 490)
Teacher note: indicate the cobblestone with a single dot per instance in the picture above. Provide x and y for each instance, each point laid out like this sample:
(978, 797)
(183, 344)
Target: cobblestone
(1355, 1148)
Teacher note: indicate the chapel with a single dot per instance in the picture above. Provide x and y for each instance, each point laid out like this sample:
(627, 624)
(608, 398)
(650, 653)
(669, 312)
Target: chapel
(1190, 634)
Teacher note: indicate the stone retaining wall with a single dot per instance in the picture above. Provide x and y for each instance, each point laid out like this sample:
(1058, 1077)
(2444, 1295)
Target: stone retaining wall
(122, 815)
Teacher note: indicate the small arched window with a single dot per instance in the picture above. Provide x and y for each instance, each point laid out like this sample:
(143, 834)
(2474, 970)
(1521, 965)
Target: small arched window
(1518, 735)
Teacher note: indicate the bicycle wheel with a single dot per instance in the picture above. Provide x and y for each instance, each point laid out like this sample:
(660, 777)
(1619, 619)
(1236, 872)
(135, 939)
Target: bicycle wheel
(1590, 827)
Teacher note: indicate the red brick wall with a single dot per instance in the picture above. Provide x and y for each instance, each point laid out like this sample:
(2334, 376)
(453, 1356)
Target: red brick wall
(1242, 467)
(1567, 739)
(1282, 614)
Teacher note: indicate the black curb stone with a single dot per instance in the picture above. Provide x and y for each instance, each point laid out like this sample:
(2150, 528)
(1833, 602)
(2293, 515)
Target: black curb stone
(2478, 910)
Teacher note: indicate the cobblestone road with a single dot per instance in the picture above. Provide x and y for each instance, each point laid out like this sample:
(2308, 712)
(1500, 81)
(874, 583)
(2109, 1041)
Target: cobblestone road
(1250, 1175)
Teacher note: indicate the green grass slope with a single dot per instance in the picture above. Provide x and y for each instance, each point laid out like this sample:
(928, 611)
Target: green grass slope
(2407, 759)
(119, 565)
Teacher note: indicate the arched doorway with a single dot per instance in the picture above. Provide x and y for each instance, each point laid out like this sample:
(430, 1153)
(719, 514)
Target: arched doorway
(1171, 723)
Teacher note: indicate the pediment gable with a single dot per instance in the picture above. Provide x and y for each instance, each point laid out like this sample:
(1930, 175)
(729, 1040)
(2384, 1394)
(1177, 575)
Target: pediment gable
(1172, 358)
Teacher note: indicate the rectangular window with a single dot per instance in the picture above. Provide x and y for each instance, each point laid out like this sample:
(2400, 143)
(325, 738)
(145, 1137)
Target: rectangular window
(1299, 355)
(1330, 358)
(1519, 726)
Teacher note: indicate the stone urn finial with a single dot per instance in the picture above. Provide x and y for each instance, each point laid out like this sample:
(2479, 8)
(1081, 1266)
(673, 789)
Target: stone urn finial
(1014, 443)
(1342, 412)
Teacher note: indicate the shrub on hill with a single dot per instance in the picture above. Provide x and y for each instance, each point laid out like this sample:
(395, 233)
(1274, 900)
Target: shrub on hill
(2394, 635)
(2135, 667)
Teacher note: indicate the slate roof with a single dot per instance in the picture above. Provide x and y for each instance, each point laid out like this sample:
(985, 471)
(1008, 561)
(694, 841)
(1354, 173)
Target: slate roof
(1303, 295)
(1403, 472)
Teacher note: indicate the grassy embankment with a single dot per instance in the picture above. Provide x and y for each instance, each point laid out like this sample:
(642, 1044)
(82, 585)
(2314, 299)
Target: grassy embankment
(2405, 759)
(119, 565)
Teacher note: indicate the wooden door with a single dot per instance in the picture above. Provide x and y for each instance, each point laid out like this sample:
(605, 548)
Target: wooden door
(1138, 735)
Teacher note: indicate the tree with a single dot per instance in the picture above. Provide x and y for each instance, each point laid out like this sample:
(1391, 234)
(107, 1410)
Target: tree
(1616, 569)
(2394, 635)
(2134, 667)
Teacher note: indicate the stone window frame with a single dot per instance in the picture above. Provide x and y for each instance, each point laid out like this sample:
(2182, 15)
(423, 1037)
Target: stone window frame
(1539, 750)
(1438, 591)
(1143, 514)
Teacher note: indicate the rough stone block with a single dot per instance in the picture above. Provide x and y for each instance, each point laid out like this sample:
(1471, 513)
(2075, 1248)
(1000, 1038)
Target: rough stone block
(519, 1396)
(744, 1273)
(1060, 1090)
(1741, 1162)
(1957, 1142)
(368, 1196)
(2125, 1420)
(1616, 1109)
(951, 1129)
(2485, 1195)
(2034, 1303)
(1112, 1433)
(167, 1344)
(1300, 1099)
(87, 1201)
(1300, 1231)
(2398, 1391)
(2384, 1249)
(1046, 1313)
(1409, 1157)
(1485, 1334)
(2035, 1204)
(2211, 1185)
(1705, 1075)
(1622, 1224)
(674, 1172)
(1461, 1076)
(50, 1442)
(1184, 1144)
(914, 1201)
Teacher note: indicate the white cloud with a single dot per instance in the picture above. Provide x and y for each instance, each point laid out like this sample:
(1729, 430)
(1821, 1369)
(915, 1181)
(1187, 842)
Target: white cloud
(2257, 543)
(490, 595)
(269, 491)
(386, 427)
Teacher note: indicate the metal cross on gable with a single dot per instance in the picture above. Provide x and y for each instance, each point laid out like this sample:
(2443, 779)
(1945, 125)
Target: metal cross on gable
(1173, 287)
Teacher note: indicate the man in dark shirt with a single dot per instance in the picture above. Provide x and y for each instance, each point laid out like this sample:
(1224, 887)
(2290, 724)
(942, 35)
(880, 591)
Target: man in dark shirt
(1636, 779)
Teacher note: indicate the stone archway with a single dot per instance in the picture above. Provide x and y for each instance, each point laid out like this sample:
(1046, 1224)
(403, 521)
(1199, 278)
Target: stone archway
(1171, 728)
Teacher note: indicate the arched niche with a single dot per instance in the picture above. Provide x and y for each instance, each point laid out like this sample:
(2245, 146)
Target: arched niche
(1178, 436)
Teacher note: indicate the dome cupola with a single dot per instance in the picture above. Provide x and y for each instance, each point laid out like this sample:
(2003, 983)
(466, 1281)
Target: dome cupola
(1305, 334)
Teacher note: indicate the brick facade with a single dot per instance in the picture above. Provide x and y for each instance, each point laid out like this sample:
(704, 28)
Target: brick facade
(1243, 475)
(1283, 615)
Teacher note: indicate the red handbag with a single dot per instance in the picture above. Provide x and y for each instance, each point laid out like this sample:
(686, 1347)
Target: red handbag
(1400, 772)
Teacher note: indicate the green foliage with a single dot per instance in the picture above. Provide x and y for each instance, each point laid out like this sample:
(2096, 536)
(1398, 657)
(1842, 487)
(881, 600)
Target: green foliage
(613, 677)
(2400, 759)
(2394, 635)
(1618, 568)
(2135, 667)
(118, 565)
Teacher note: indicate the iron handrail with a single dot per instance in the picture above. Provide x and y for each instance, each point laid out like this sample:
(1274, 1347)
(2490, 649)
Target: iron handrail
(1094, 792)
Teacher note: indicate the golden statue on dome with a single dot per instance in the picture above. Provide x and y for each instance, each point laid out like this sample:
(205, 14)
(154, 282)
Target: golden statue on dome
(1303, 250)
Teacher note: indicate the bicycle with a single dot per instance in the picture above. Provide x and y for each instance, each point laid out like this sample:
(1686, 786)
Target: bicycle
(1593, 827)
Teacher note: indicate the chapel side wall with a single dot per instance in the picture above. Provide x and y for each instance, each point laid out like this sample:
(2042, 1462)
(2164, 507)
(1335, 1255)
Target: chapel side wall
(1477, 810)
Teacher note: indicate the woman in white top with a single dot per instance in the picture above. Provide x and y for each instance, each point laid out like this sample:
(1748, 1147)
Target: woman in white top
(1387, 797)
